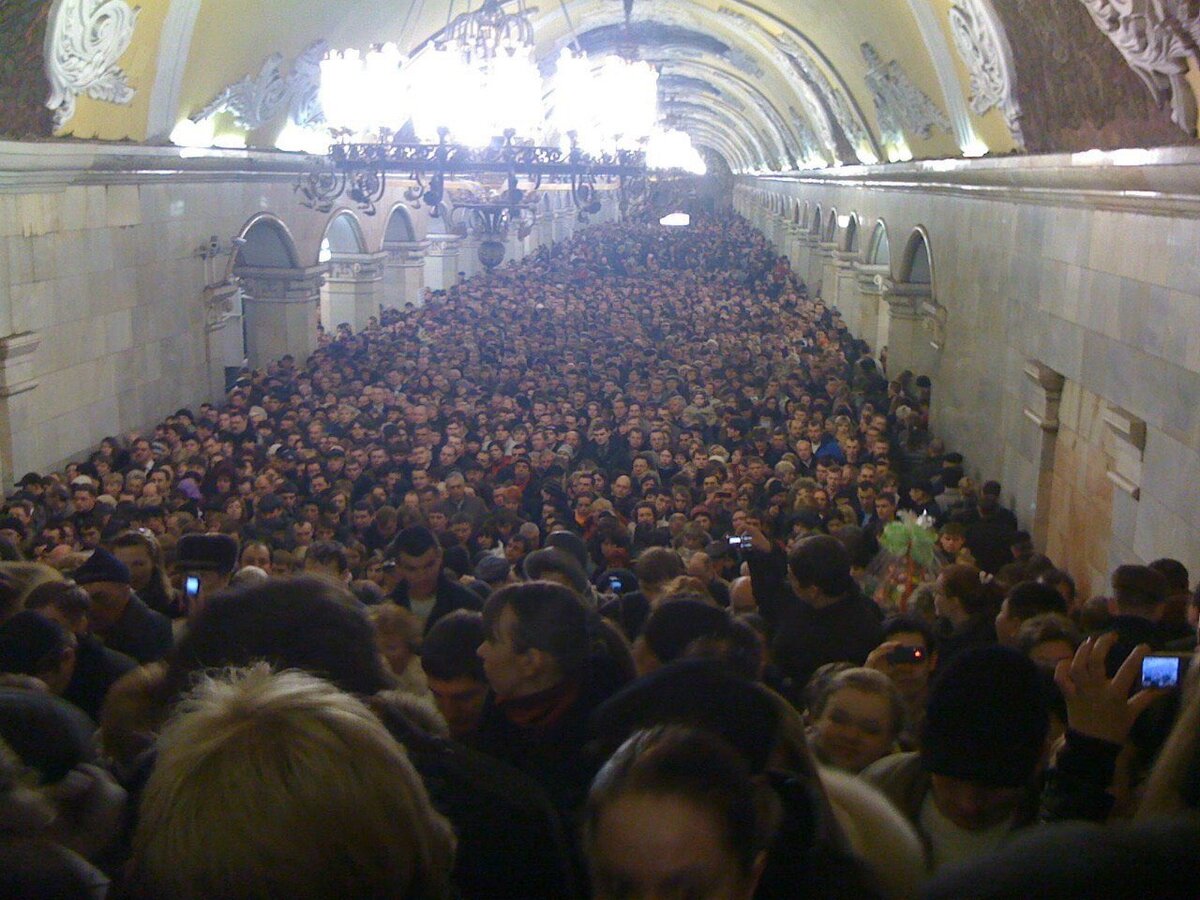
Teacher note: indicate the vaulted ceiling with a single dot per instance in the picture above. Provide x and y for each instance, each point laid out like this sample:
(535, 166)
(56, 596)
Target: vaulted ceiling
(769, 85)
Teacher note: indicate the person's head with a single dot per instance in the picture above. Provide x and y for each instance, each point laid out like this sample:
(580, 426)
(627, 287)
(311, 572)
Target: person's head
(952, 538)
(674, 812)
(1048, 639)
(1023, 602)
(328, 559)
(984, 736)
(960, 595)
(39, 646)
(310, 624)
(911, 675)
(209, 558)
(418, 557)
(819, 569)
(673, 627)
(256, 553)
(64, 601)
(537, 635)
(1139, 591)
(106, 579)
(655, 567)
(454, 670)
(397, 634)
(856, 719)
(281, 785)
(552, 564)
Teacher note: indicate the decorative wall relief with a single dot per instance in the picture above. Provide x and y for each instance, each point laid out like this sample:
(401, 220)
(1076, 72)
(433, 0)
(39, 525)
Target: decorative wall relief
(258, 99)
(901, 106)
(84, 40)
(1158, 40)
(1075, 89)
(981, 42)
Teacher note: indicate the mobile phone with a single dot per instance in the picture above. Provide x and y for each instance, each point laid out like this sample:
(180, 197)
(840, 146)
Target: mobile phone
(1163, 670)
(741, 541)
(191, 587)
(903, 654)
(614, 583)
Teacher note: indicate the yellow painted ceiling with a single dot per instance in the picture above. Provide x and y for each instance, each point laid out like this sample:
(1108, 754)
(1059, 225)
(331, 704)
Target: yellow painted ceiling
(761, 109)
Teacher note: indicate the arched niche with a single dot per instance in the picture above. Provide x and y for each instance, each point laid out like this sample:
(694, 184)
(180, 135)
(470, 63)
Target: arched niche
(879, 250)
(343, 235)
(796, 213)
(831, 227)
(850, 242)
(916, 265)
(399, 228)
(804, 216)
(266, 243)
(814, 226)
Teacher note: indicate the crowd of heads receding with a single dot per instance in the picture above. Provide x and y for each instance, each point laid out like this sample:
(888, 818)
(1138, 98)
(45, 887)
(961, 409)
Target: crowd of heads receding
(624, 570)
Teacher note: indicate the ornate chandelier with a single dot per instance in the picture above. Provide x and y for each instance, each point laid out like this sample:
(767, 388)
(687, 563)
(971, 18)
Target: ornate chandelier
(471, 102)
(488, 32)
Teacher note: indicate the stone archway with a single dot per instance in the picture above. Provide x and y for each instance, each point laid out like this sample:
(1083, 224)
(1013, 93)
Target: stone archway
(280, 297)
(915, 326)
(353, 284)
(872, 276)
(404, 261)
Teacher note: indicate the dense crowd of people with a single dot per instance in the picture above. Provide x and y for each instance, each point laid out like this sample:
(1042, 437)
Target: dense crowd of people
(624, 571)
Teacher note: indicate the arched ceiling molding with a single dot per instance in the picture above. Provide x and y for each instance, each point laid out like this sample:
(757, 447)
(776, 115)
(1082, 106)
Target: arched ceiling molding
(730, 154)
(751, 150)
(734, 154)
(795, 53)
(938, 48)
(772, 149)
(749, 51)
(746, 92)
(173, 50)
(770, 128)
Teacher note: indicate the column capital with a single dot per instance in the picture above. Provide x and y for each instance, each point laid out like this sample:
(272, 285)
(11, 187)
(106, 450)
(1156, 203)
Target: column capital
(269, 285)
(406, 253)
(17, 353)
(356, 267)
(442, 244)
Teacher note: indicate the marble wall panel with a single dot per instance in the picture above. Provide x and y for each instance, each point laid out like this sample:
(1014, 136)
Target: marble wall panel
(1109, 299)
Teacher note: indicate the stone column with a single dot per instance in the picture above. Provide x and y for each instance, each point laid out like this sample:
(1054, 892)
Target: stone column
(404, 274)
(804, 251)
(19, 450)
(845, 286)
(353, 289)
(225, 346)
(822, 253)
(910, 341)
(795, 245)
(870, 282)
(468, 256)
(441, 261)
(1045, 394)
(564, 224)
(281, 308)
(545, 227)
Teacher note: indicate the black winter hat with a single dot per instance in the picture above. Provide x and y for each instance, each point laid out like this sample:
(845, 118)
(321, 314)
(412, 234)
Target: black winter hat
(987, 719)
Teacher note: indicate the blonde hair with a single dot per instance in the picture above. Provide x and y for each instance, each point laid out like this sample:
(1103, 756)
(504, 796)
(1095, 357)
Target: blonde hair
(280, 785)
(390, 618)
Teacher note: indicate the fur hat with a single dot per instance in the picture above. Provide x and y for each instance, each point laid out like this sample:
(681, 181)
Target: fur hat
(102, 566)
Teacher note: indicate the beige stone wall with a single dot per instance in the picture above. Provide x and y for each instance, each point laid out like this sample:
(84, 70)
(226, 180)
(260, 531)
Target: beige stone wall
(108, 275)
(1107, 297)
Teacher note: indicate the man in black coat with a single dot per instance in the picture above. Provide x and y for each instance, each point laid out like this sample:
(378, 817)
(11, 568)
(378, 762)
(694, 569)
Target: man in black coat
(424, 587)
(814, 610)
